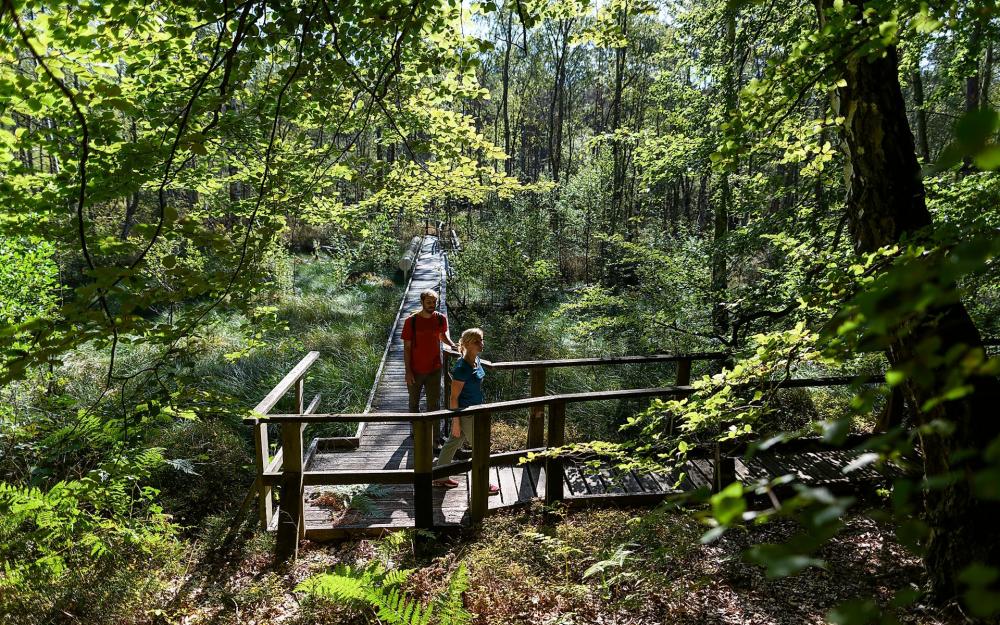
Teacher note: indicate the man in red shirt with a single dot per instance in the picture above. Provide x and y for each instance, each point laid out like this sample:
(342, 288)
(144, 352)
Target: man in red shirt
(423, 333)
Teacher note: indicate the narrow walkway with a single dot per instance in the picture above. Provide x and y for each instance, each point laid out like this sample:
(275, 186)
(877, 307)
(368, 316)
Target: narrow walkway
(387, 446)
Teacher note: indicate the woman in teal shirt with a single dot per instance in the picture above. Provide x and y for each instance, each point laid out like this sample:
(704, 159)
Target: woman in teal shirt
(466, 390)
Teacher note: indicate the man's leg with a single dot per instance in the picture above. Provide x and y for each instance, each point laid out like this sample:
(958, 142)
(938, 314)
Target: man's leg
(432, 385)
(413, 390)
(432, 388)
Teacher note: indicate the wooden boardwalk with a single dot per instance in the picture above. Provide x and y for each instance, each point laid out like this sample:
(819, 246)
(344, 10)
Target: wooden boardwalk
(385, 446)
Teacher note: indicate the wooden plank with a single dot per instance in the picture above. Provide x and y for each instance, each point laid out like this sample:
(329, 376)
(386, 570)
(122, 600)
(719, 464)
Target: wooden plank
(594, 484)
(536, 474)
(452, 468)
(523, 485)
(630, 483)
(697, 476)
(666, 481)
(291, 378)
(647, 482)
(772, 467)
(393, 333)
(508, 485)
(574, 480)
(495, 501)
(612, 481)
(818, 468)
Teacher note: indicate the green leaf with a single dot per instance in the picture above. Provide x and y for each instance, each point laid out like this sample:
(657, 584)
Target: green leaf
(780, 560)
(988, 158)
(854, 612)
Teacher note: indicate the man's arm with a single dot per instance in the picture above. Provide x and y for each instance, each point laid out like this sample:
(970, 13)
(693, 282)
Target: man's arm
(407, 349)
(445, 336)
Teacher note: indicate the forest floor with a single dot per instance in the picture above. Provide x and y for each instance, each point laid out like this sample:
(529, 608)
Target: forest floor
(524, 571)
(646, 565)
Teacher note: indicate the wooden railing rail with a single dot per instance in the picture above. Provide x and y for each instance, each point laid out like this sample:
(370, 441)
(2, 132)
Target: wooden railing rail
(537, 368)
(517, 404)
(293, 477)
(263, 462)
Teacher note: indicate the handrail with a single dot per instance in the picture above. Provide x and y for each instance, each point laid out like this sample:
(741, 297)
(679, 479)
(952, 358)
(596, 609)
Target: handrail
(286, 383)
(503, 406)
(597, 361)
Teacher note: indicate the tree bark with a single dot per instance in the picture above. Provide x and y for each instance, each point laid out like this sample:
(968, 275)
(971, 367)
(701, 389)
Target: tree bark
(921, 114)
(720, 230)
(886, 205)
(505, 79)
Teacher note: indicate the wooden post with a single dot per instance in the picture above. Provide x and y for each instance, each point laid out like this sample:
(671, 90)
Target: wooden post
(290, 510)
(262, 457)
(480, 467)
(423, 458)
(554, 466)
(724, 470)
(684, 372)
(536, 418)
(893, 413)
(300, 395)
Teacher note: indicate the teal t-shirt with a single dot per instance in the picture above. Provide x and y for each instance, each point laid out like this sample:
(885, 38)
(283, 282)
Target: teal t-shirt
(472, 391)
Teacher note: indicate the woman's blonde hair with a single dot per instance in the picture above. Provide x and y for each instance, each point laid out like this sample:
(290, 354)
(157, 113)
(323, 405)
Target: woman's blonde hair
(469, 336)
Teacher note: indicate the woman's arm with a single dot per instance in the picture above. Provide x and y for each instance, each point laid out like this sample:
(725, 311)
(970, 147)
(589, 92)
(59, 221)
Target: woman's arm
(456, 388)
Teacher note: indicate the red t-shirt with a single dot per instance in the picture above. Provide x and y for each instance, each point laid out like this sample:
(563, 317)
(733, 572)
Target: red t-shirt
(426, 349)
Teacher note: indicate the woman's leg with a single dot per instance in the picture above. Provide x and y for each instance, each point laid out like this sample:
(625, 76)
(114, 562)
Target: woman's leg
(453, 444)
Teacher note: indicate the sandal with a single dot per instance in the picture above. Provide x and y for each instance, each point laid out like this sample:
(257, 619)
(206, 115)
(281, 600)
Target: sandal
(494, 490)
(447, 483)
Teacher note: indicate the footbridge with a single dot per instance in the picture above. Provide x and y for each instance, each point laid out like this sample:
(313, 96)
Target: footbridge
(395, 449)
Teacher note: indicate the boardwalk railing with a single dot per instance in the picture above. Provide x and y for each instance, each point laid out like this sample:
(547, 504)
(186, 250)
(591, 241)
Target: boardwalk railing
(537, 375)
(287, 468)
(264, 463)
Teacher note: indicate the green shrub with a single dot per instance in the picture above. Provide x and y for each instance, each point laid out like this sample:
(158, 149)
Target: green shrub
(207, 469)
(84, 544)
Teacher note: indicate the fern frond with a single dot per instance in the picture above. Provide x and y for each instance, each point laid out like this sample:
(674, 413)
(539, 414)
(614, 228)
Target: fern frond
(452, 610)
(397, 577)
(344, 584)
(396, 608)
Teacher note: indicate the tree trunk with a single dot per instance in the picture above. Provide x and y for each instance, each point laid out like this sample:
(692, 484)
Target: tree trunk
(984, 93)
(505, 78)
(885, 204)
(921, 114)
(720, 230)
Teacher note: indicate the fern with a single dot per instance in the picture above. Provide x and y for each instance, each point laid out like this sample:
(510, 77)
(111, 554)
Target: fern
(450, 605)
(378, 589)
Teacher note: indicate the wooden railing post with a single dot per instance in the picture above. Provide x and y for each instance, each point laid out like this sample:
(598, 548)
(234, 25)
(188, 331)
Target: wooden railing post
(423, 458)
(262, 457)
(536, 418)
(300, 395)
(480, 467)
(724, 470)
(290, 511)
(554, 466)
(684, 372)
